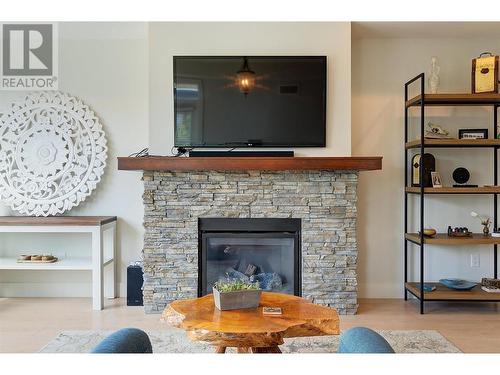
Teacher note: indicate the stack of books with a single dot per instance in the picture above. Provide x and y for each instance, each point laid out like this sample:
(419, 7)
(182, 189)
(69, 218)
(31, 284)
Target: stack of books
(490, 285)
(271, 310)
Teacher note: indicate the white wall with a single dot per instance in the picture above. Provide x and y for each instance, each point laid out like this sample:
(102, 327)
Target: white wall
(123, 71)
(332, 39)
(380, 67)
(106, 65)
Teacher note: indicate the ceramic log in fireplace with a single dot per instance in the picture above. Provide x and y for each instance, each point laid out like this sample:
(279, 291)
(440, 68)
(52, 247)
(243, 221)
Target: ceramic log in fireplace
(266, 250)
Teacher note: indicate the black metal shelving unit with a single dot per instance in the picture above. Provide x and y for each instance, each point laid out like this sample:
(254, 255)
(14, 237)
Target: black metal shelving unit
(421, 101)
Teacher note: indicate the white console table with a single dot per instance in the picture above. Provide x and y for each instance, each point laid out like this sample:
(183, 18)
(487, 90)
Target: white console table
(103, 254)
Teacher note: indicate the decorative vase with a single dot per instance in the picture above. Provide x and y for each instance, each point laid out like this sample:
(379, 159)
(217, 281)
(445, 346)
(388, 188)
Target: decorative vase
(433, 79)
(242, 299)
(486, 229)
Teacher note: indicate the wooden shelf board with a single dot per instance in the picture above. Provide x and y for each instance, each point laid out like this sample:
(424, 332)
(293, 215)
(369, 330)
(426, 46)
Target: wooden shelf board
(57, 220)
(454, 143)
(455, 190)
(443, 293)
(444, 239)
(65, 264)
(455, 99)
(72, 264)
(168, 163)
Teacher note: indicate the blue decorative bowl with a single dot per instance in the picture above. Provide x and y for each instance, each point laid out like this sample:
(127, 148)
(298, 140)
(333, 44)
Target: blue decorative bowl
(427, 287)
(458, 284)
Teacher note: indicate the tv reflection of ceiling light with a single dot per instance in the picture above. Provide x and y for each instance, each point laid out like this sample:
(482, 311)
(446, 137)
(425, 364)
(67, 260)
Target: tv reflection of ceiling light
(245, 78)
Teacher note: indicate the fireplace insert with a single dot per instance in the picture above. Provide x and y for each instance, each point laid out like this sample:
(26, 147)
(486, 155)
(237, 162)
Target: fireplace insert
(266, 250)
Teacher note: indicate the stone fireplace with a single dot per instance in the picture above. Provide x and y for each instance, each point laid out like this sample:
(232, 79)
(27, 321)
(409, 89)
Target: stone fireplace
(323, 201)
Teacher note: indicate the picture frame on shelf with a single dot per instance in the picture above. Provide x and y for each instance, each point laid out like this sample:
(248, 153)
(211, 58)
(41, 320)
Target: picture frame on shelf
(472, 133)
(436, 180)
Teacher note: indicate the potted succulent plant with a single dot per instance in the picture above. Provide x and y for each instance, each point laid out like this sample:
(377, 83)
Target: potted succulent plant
(233, 294)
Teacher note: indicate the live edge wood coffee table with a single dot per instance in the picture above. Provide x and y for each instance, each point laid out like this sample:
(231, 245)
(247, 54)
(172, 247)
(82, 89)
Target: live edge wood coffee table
(249, 330)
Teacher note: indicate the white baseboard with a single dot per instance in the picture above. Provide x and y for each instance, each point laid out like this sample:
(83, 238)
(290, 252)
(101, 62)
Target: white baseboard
(368, 290)
(52, 290)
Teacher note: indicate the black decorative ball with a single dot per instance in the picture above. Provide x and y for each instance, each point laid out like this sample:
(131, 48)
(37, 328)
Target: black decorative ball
(461, 175)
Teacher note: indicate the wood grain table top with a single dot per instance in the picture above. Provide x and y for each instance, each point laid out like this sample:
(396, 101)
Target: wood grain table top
(57, 220)
(249, 327)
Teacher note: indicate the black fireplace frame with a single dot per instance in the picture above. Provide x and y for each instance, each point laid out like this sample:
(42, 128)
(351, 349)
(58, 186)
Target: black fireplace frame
(258, 227)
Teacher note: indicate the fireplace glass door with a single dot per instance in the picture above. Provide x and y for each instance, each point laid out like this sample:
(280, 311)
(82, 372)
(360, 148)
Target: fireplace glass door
(268, 257)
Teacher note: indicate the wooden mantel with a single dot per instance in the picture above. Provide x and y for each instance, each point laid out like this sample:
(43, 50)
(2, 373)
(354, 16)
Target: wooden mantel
(170, 163)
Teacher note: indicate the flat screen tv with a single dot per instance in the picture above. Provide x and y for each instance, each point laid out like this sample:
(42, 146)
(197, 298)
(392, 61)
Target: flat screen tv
(250, 101)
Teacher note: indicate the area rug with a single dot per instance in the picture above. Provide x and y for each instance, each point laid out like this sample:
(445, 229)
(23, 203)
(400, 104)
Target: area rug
(175, 341)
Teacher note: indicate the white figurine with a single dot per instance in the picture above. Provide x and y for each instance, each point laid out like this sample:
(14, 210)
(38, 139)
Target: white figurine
(436, 131)
(434, 76)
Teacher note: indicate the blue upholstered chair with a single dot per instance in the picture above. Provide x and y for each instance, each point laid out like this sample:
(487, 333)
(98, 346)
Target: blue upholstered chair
(133, 340)
(363, 340)
(126, 340)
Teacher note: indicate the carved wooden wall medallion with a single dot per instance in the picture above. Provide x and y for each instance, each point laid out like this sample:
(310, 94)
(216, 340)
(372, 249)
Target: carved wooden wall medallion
(52, 153)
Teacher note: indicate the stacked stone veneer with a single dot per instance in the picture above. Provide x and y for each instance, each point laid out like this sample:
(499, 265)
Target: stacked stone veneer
(324, 200)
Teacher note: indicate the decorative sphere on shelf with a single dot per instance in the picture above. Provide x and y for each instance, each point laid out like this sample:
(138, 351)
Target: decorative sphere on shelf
(461, 175)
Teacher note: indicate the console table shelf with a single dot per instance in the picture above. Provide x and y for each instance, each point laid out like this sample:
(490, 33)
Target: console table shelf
(103, 252)
(170, 163)
(64, 264)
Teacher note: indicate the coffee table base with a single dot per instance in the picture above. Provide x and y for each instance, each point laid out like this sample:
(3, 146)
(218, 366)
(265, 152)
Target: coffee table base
(269, 349)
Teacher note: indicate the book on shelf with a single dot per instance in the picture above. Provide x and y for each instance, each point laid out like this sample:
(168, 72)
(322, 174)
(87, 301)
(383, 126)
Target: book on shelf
(437, 136)
(490, 289)
(490, 283)
(272, 311)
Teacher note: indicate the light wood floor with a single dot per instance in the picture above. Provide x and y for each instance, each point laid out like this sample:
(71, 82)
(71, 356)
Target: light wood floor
(27, 324)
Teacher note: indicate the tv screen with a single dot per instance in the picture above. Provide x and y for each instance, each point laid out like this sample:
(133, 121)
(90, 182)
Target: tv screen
(253, 101)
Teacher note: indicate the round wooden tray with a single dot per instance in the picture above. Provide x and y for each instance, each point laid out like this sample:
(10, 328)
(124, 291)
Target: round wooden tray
(38, 261)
